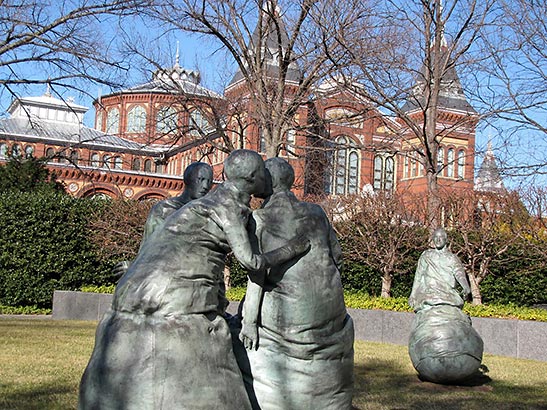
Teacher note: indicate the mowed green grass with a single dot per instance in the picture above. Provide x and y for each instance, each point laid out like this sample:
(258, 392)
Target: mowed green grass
(41, 362)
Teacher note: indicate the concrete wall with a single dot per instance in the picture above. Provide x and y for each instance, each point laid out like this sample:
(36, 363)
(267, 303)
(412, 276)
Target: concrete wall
(522, 339)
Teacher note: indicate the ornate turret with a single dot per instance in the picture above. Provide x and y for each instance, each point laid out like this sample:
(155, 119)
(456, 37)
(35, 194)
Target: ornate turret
(488, 178)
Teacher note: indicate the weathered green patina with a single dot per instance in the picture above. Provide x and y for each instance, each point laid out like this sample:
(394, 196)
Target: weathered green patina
(164, 344)
(296, 329)
(443, 346)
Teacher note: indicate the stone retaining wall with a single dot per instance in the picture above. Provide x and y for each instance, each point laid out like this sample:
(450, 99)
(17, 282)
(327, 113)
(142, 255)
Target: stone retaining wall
(522, 339)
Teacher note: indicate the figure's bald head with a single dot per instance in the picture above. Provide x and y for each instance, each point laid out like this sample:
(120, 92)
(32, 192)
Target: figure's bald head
(245, 168)
(282, 173)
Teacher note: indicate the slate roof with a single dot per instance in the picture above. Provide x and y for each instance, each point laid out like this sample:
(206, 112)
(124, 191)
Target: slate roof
(451, 96)
(65, 133)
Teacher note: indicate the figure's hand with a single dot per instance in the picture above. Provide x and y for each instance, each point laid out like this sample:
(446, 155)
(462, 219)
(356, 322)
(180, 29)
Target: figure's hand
(120, 268)
(249, 336)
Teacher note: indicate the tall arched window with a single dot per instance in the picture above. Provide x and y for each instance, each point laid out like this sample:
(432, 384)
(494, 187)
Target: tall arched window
(136, 119)
(3, 150)
(461, 164)
(50, 153)
(198, 122)
(16, 151)
(450, 163)
(106, 161)
(118, 162)
(440, 161)
(291, 140)
(136, 164)
(113, 121)
(345, 168)
(384, 171)
(148, 165)
(95, 160)
(166, 120)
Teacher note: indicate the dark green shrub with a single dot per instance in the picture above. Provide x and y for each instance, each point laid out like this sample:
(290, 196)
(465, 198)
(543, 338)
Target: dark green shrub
(44, 246)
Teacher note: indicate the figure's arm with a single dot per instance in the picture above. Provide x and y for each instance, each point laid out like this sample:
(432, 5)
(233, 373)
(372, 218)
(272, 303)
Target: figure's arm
(257, 264)
(251, 311)
(461, 278)
(413, 299)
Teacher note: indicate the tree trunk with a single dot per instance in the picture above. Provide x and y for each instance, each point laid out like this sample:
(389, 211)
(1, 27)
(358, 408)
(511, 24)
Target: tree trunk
(475, 290)
(386, 285)
(433, 202)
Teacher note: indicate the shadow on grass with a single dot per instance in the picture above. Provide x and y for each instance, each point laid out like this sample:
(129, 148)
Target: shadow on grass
(40, 397)
(384, 384)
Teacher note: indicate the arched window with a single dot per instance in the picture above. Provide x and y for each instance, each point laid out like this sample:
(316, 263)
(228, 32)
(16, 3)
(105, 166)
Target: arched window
(118, 162)
(440, 161)
(50, 153)
(3, 150)
(345, 168)
(136, 119)
(450, 163)
(198, 123)
(29, 151)
(166, 120)
(291, 139)
(95, 160)
(136, 164)
(16, 151)
(113, 121)
(159, 166)
(148, 165)
(384, 171)
(461, 164)
(106, 161)
(262, 141)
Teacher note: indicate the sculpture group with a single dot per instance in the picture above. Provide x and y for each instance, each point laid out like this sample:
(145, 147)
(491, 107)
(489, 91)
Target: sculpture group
(166, 344)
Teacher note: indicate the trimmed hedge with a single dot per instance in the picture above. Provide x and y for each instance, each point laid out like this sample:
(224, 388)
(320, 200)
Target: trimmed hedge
(44, 246)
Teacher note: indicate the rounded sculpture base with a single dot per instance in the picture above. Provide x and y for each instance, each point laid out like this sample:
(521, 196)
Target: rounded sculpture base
(447, 370)
(443, 346)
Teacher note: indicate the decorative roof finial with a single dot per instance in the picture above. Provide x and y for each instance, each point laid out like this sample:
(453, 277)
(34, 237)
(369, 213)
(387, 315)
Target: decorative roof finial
(177, 57)
(48, 90)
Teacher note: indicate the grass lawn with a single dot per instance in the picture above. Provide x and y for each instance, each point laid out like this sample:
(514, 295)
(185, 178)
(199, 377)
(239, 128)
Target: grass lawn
(41, 362)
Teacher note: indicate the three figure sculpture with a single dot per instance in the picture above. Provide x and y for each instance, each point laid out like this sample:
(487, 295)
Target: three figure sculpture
(443, 346)
(165, 343)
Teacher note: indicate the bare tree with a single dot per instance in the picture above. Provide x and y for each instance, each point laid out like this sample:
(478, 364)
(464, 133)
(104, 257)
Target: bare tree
(498, 226)
(412, 74)
(279, 50)
(379, 231)
(514, 85)
(64, 44)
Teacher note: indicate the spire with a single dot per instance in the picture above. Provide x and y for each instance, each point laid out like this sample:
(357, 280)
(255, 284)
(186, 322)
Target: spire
(488, 178)
(268, 37)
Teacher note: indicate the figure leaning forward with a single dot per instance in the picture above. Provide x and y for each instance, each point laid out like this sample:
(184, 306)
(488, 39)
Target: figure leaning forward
(164, 344)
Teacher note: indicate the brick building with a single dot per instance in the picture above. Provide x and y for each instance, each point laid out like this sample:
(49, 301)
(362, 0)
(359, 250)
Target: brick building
(146, 135)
